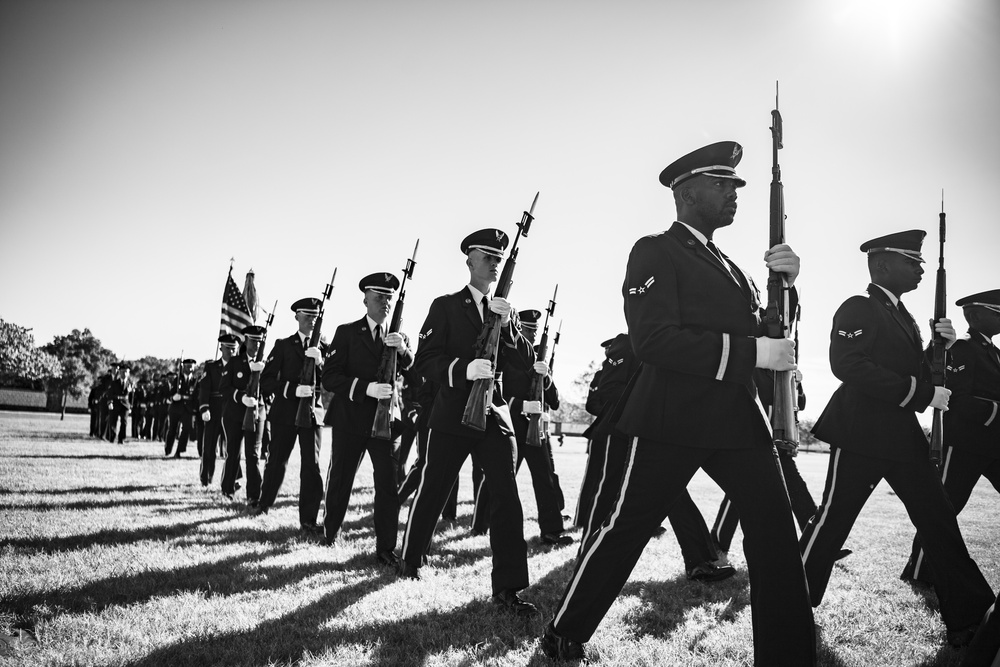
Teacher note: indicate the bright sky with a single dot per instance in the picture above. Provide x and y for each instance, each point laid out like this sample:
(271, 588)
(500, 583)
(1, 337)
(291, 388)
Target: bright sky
(143, 144)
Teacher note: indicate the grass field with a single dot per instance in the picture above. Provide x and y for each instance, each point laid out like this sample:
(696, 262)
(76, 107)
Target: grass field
(113, 555)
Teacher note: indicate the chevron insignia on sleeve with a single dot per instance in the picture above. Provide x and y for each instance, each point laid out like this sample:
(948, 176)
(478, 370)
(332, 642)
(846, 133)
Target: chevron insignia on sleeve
(425, 334)
(956, 369)
(851, 334)
(331, 353)
(615, 362)
(641, 289)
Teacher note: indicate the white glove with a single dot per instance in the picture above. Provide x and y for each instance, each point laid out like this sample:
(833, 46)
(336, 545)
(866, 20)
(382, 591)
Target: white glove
(541, 368)
(501, 307)
(946, 330)
(394, 340)
(206, 415)
(250, 401)
(314, 354)
(479, 369)
(778, 354)
(532, 407)
(177, 397)
(256, 366)
(940, 400)
(111, 406)
(379, 390)
(304, 390)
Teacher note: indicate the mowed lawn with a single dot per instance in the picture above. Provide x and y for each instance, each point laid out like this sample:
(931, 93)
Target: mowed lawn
(113, 555)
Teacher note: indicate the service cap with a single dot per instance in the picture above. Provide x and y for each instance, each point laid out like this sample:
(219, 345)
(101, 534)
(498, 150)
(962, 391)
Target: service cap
(718, 159)
(383, 283)
(307, 305)
(490, 241)
(529, 318)
(989, 299)
(229, 339)
(188, 361)
(905, 243)
(254, 332)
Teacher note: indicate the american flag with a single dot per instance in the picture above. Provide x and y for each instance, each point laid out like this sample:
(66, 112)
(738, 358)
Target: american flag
(235, 314)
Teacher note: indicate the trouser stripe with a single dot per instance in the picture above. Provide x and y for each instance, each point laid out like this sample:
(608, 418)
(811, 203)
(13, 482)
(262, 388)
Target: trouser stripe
(826, 506)
(605, 529)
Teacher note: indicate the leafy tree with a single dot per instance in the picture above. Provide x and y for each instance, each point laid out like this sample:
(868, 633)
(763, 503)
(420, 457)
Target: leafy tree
(82, 358)
(22, 365)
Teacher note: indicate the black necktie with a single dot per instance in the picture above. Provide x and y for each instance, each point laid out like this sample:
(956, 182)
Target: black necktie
(909, 318)
(378, 333)
(485, 306)
(718, 255)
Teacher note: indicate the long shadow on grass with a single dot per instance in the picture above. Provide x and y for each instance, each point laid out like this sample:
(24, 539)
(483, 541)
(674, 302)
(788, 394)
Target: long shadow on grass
(102, 490)
(313, 629)
(128, 456)
(50, 545)
(228, 576)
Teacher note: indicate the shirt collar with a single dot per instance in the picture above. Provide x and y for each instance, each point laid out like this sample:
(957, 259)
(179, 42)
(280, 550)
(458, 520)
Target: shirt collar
(698, 235)
(892, 297)
(371, 323)
(477, 295)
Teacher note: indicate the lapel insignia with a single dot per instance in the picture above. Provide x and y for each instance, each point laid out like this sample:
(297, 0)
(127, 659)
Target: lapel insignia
(851, 334)
(641, 289)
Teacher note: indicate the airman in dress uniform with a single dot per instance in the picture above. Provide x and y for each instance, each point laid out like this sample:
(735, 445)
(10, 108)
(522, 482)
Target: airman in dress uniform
(211, 405)
(446, 356)
(237, 401)
(972, 423)
(351, 373)
(695, 325)
(181, 404)
(871, 425)
(282, 377)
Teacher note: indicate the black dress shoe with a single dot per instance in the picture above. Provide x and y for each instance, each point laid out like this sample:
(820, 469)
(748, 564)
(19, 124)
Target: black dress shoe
(478, 532)
(509, 600)
(558, 647)
(708, 572)
(387, 559)
(407, 571)
(311, 528)
(557, 539)
(257, 509)
(659, 530)
(843, 553)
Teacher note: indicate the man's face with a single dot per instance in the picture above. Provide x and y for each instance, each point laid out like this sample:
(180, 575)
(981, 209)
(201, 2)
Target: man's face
(252, 346)
(483, 267)
(378, 305)
(984, 319)
(306, 320)
(227, 352)
(186, 368)
(715, 200)
(903, 273)
(529, 333)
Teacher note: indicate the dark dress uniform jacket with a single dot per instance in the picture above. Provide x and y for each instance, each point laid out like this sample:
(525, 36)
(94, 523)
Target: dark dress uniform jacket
(692, 327)
(281, 376)
(972, 422)
(876, 352)
(209, 388)
(233, 386)
(619, 365)
(350, 366)
(447, 346)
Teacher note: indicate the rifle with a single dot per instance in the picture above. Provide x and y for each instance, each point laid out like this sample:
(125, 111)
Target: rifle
(777, 316)
(938, 349)
(304, 417)
(555, 342)
(536, 393)
(487, 345)
(382, 426)
(253, 386)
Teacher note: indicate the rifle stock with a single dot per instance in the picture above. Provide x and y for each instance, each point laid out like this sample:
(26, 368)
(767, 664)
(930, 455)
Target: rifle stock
(304, 416)
(382, 426)
(784, 429)
(487, 345)
(537, 390)
(938, 346)
(253, 386)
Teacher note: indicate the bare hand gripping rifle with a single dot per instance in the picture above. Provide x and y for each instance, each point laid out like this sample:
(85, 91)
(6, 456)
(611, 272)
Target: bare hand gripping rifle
(304, 415)
(253, 385)
(537, 390)
(487, 345)
(386, 374)
(777, 316)
(938, 343)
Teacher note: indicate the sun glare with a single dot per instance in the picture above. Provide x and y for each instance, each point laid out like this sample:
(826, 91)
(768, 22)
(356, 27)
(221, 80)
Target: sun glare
(899, 25)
